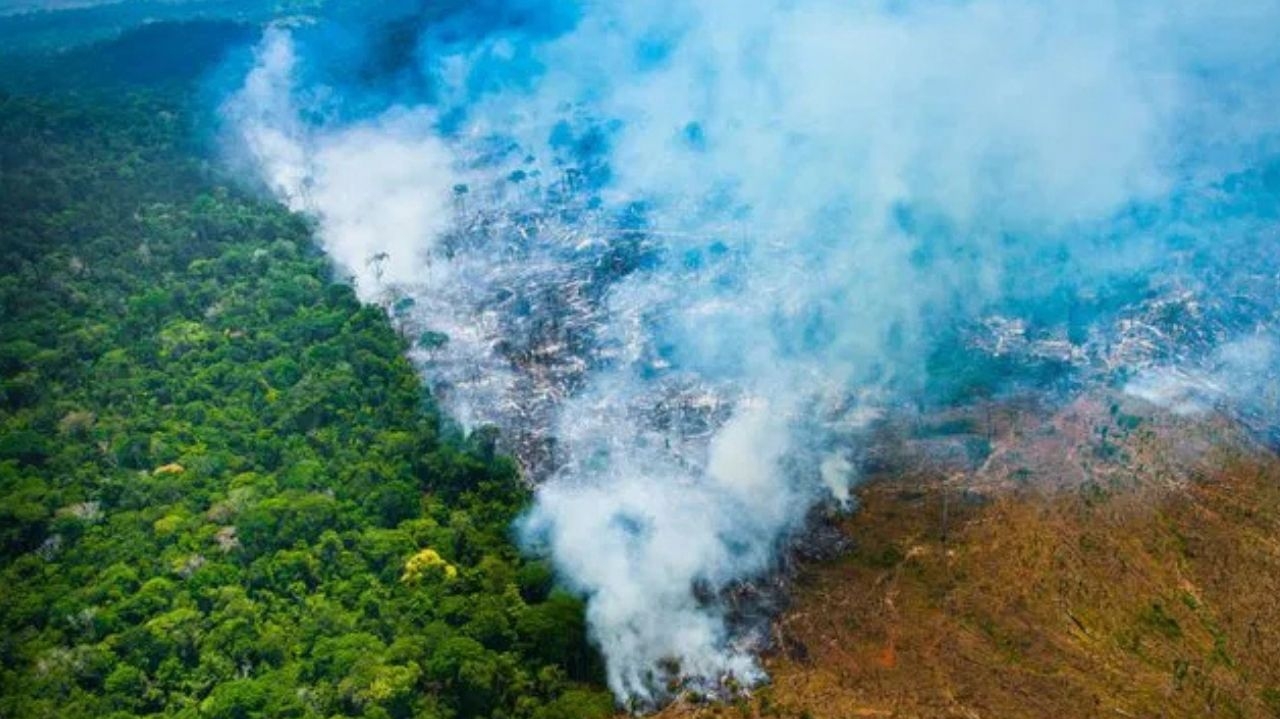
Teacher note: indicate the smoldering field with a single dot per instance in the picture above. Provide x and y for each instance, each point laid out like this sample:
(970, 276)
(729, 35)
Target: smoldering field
(684, 255)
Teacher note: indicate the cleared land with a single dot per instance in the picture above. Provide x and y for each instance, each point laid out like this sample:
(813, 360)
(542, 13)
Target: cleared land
(1096, 560)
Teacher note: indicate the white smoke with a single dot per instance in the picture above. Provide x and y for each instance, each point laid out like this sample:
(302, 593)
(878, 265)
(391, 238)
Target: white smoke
(1243, 374)
(381, 190)
(827, 183)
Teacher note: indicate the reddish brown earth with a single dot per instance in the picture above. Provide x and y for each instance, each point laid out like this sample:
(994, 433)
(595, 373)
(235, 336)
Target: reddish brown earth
(1102, 561)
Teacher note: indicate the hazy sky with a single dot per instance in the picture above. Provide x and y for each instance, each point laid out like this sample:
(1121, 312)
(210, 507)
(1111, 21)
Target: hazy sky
(10, 7)
(14, 7)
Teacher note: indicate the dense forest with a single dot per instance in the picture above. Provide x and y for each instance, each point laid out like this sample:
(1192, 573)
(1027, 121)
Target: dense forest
(224, 490)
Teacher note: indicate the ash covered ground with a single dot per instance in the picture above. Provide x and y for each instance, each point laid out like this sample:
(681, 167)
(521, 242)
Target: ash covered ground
(527, 313)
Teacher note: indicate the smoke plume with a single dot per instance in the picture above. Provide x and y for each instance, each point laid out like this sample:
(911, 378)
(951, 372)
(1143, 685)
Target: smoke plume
(683, 253)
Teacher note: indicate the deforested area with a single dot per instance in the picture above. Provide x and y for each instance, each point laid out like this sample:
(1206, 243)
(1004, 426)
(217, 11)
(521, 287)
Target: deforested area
(553, 358)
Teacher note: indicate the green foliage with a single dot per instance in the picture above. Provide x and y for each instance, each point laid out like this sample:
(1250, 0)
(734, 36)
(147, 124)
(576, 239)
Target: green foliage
(1159, 621)
(577, 704)
(1271, 698)
(216, 465)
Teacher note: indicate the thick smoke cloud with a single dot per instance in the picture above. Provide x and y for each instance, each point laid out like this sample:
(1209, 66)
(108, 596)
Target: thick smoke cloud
(378, 188)
(701, 245)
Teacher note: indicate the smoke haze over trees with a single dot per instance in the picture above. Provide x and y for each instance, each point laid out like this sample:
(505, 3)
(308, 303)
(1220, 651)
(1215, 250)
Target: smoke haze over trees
(223, 490)
(452, 359)
(802, 206)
